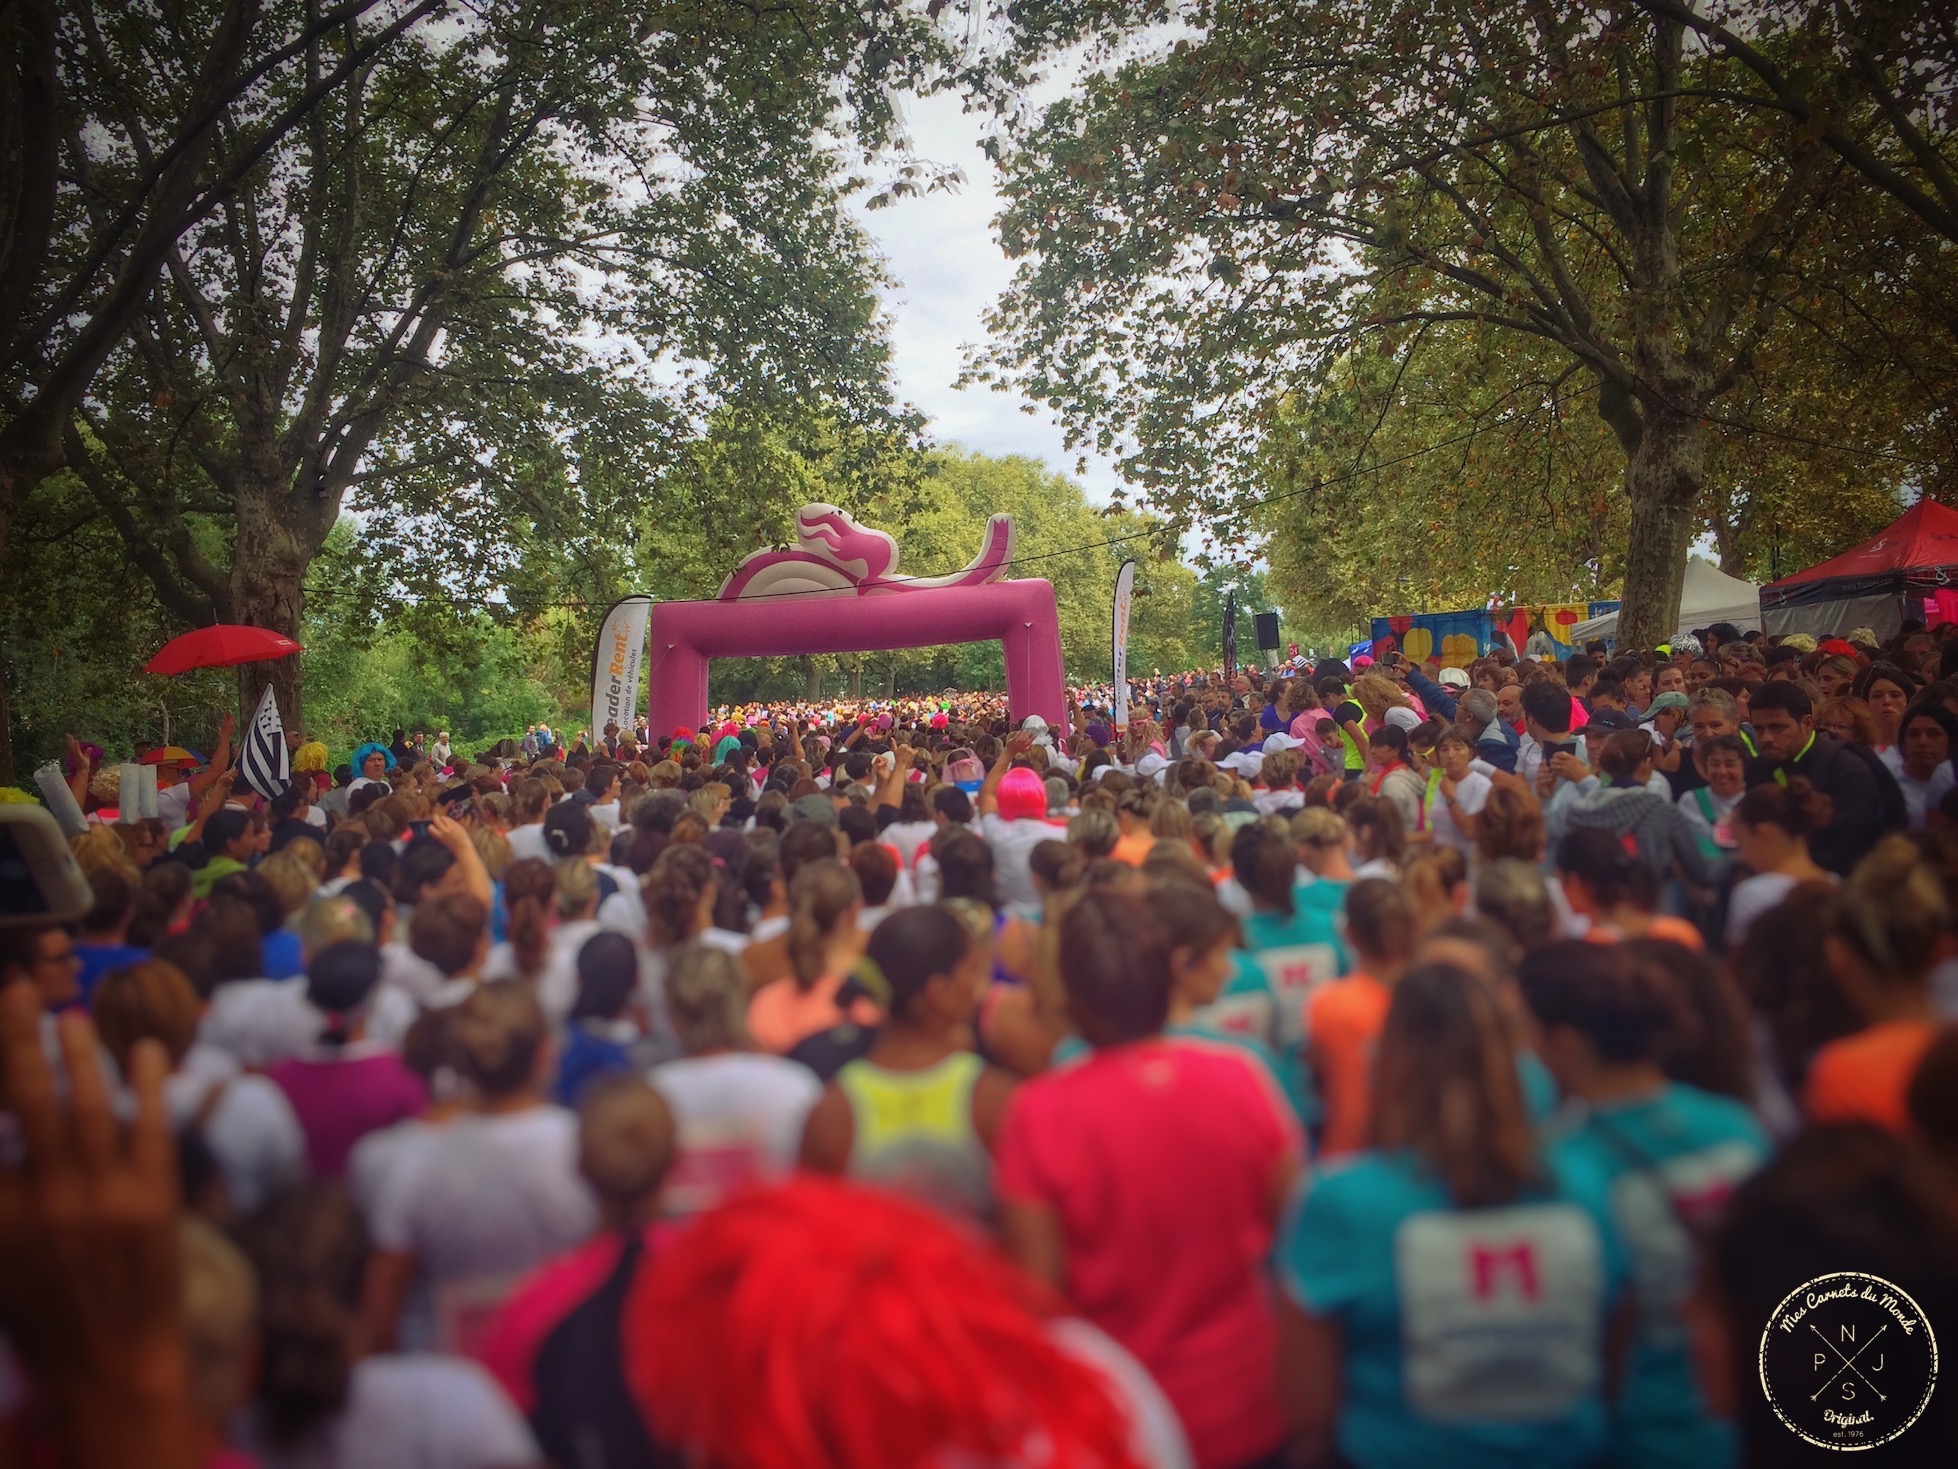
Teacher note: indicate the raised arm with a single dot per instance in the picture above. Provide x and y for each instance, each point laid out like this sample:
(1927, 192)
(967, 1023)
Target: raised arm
(1017, 743)
(891, 791)
(77, 767)
(213, 797)
(453, 835)
(220, 760)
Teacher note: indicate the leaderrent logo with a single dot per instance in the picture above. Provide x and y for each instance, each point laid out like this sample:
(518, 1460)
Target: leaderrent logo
(1848, 1361)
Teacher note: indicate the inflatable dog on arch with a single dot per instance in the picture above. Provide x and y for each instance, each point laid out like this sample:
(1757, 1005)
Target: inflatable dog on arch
(836, 554)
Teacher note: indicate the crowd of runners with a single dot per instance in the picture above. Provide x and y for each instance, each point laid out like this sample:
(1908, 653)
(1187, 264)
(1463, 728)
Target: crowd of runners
(1362, 1063)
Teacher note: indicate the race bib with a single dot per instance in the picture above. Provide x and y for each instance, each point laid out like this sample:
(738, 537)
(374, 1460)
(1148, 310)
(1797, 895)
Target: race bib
(1655, 1210)
(1293, 974)
(1253, 1015)
(1502, 1313)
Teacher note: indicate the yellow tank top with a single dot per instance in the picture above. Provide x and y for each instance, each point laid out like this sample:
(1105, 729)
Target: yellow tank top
(914, 1132)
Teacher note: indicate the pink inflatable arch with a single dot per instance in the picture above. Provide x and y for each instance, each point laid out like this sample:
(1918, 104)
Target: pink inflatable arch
(838, 591)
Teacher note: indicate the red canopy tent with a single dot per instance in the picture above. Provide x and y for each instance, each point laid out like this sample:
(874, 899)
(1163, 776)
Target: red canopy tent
(1907, 569)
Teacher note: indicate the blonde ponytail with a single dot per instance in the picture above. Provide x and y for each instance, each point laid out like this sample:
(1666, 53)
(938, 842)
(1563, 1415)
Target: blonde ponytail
(1892, 911)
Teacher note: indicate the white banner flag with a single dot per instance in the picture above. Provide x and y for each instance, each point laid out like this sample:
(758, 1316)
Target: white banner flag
(615, 664)
(1124, 601)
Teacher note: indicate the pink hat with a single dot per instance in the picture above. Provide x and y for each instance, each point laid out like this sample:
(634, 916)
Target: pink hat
(939, 720)
(1022, 794)
(1363, 661)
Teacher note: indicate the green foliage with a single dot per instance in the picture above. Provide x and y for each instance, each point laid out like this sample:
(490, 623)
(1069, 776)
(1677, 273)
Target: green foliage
(1238, 233)
(480, 693)
(489, 291)
(74, 634)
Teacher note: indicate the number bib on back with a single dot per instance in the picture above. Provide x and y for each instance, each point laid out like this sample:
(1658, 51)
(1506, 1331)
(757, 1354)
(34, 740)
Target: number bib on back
(1294, 972)
(1502, 1312)
(1653, 1208)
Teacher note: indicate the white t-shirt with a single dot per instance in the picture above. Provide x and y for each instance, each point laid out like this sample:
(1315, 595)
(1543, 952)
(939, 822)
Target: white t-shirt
(252, 1130)
(924, 876)
(1753, 896)
(403, 969)
(624, 911)
(1013, 843)
(528, 842)
(1471, 794)
(1690, 806)
(427, 1411)
(260, 1022)
(1922, 796)
(496, 1198)
(1271, 803)
(173, 805)
(373, 1167)
(739, 1120)
(909, 837)
(727, 940)
(1236, 901)
(557, 984)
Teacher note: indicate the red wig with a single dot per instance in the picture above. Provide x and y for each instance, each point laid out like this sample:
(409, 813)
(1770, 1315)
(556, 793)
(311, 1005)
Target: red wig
(824, 1326)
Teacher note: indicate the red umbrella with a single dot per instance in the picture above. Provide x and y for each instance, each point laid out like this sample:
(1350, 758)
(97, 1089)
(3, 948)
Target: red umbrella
(220, 647)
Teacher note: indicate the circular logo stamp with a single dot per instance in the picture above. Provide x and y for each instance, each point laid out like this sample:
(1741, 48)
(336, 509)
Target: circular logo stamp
(1848, 1360)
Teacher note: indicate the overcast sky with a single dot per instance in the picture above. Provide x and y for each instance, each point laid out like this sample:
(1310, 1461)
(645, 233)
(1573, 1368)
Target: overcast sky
(947, 268)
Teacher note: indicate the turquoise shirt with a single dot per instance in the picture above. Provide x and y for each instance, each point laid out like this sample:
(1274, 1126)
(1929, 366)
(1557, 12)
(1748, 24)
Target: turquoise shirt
(1317, 917)
(1469, 1337)
(1671, 1160)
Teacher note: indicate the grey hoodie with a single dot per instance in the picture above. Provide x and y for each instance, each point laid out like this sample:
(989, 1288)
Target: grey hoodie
(1659, 830)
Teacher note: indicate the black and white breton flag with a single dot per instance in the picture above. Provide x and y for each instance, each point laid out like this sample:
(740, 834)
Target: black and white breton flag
(264, 763)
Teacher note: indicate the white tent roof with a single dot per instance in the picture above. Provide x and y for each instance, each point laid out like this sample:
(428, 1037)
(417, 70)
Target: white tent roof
(1710, 596)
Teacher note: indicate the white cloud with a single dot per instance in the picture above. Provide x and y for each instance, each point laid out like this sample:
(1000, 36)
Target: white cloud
(947, 268)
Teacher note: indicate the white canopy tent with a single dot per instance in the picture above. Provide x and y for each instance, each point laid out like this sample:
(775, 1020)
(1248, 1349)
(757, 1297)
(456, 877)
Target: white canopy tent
(1710, 596)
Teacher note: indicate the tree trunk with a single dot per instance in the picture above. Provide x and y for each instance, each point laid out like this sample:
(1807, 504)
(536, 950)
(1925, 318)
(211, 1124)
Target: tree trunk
(890, 677)
(6, 703)
(1726, 542)
(812, 680)
(6, 726)
(269, 562)
(1662, 480)
(856, 680)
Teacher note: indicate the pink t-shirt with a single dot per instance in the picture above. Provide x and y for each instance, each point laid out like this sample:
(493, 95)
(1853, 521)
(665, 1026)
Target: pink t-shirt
(1160, 1157)
(340, 1099)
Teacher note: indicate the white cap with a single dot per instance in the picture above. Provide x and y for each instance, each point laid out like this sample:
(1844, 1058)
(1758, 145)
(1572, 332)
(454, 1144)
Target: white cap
(1453, 678)
(1246, 763)
(1279, 740)
(1151, 764)
(1402, 717)
(1034, 724)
